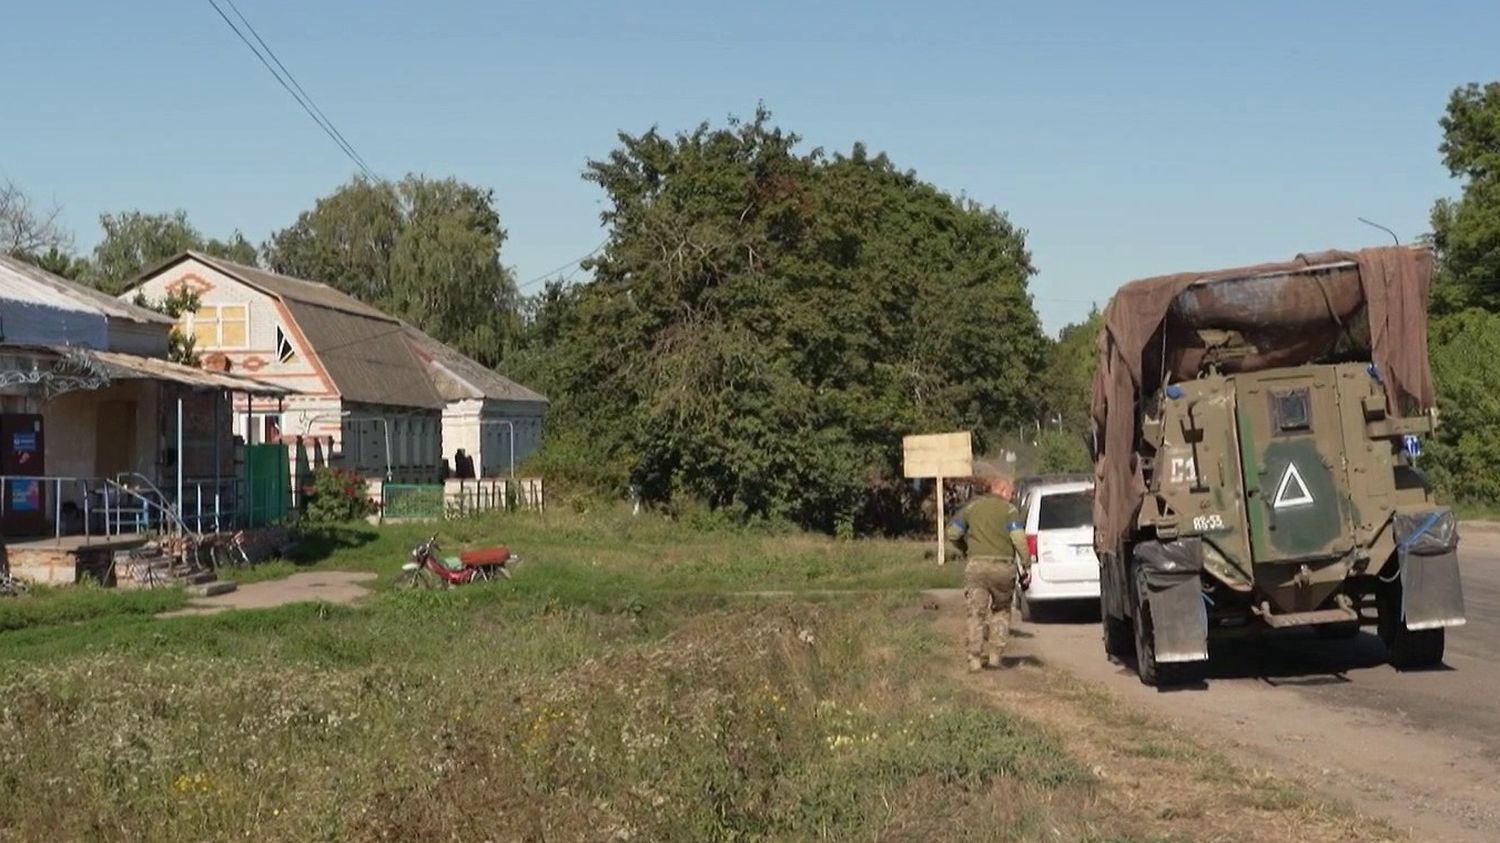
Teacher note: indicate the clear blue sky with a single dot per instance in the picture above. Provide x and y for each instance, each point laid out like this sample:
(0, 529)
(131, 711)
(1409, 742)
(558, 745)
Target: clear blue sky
(1128, 138)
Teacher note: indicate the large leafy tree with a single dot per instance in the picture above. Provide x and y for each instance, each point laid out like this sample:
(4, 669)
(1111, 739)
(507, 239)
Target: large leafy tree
(1466, 231)
(426, 250)
(1070, 373)
(135, 241)
(1465, 335)
(764, 325)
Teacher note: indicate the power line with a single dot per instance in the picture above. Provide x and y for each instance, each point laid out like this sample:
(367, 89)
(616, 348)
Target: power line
(551, 272)
(305, 95)
(327, 127)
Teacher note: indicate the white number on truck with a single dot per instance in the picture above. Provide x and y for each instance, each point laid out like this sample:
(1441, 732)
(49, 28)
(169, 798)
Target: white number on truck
(1182, 471)
(1208, 523)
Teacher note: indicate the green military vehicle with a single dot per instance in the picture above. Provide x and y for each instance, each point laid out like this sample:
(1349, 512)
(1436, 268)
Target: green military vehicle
(1257, 439)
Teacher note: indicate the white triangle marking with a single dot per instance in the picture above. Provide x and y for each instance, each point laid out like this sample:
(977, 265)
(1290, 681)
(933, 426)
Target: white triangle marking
(1292, 491)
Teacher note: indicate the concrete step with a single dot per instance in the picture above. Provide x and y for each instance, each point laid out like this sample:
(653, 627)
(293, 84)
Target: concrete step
(211, 589)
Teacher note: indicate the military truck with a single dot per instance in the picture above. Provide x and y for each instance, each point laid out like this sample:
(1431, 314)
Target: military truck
(1258, 438)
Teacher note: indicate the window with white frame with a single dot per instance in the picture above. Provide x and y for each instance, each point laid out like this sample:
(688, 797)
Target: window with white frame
(222, 326)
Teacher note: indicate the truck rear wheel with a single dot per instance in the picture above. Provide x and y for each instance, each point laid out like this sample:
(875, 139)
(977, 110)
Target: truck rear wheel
(1410, 649)
(1152, 672)
(1119, 637)
(1417, 649)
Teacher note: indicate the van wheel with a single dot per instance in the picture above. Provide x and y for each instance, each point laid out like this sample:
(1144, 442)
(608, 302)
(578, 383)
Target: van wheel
(1151, 672)
(1028, 613)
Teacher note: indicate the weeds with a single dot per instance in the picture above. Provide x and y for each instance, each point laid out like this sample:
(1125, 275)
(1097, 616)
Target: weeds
(468, 718)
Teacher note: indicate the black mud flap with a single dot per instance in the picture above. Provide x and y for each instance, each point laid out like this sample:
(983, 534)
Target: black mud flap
(1179, 617)
(1431, 594)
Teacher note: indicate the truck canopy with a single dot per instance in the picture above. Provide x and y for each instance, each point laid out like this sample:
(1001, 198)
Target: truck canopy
(1371, 303)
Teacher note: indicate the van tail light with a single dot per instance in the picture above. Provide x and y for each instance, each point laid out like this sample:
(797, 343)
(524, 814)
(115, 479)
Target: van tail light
(1031, 546)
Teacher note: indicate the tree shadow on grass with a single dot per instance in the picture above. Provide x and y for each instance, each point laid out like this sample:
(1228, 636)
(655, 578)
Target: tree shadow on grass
(317, 544)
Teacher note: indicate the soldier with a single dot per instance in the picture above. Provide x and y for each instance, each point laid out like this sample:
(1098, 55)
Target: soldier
(986, 530)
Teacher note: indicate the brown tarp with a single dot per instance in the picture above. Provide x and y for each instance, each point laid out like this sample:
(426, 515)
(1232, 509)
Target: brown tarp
(1293, 312)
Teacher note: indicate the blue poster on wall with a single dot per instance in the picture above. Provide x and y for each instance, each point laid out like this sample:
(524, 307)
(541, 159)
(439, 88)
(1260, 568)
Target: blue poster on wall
(24, 496)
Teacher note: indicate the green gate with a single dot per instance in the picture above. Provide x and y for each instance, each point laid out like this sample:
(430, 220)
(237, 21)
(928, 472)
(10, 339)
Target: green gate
(266, 484)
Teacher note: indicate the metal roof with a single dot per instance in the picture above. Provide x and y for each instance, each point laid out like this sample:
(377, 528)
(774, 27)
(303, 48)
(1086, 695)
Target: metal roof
(458, 376)
(128, 366)
(23, 282)
(290, 289)
(90, 369)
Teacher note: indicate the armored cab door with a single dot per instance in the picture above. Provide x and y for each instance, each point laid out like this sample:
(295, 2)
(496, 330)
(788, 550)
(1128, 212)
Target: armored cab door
(1291, 452)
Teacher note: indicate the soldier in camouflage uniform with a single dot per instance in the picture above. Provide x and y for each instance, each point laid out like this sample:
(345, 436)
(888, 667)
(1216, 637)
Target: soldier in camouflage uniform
(987, 529)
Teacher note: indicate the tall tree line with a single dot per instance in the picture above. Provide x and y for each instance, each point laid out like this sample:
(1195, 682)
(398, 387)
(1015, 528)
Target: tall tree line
(426, 250)
(765, 323)
(762, 326)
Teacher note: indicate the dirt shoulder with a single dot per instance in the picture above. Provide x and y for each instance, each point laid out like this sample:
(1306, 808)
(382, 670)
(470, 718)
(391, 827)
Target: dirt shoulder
(1163, 781)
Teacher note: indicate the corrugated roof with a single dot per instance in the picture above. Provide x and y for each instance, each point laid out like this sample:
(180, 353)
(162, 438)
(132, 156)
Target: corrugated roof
(22, 281)
(288, 288)
(131, 366)
(458, 376)
(363, 350)
(368, 359)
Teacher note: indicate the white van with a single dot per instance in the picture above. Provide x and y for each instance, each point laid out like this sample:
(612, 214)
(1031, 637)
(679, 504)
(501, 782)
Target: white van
(1060, 544)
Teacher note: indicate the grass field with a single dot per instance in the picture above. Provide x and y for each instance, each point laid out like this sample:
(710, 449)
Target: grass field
(623, 686)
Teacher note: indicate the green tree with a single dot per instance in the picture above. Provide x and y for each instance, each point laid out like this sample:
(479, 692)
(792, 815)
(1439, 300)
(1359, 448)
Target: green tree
(764, 325)
(1464, 461)
(426, 250)
(181, 347)
(57, 262)
(1465, 331)
(135, 241)
(1070, 373)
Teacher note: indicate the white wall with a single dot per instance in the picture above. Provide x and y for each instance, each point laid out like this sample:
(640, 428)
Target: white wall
(476, 427)
(258, 359)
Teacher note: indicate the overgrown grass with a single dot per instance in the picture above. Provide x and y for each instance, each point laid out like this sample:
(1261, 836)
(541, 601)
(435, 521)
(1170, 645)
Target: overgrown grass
(44, 606)
(598, 559)
(615, 689)
(482, 714)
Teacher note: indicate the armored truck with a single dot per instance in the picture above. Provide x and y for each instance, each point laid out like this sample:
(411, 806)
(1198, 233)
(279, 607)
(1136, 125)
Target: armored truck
(1257, 461)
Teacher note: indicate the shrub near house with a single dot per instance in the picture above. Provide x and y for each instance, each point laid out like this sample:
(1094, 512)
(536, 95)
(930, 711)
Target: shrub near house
(336, 495)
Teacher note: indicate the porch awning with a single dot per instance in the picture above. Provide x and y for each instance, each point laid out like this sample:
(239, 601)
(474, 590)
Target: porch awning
(128, 366)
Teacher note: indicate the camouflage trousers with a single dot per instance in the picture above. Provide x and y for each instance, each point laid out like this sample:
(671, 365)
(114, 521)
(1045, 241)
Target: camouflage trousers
(989, 584)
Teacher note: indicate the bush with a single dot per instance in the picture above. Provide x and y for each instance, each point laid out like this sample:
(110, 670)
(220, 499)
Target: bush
(336, 495)
(1464, 461)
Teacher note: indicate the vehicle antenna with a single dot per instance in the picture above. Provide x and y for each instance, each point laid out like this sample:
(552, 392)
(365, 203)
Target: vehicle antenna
(1382, 228)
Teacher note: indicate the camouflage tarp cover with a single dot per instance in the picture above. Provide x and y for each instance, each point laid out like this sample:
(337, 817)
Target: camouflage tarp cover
(1299, 310)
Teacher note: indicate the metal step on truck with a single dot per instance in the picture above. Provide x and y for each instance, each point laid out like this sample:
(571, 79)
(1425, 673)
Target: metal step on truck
(1258, 434)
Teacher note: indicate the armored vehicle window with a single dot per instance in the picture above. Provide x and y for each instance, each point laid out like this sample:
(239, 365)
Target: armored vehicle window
(1291, 411)
(1066, 511)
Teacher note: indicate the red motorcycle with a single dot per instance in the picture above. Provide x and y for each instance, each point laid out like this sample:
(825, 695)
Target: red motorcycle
(425, 568)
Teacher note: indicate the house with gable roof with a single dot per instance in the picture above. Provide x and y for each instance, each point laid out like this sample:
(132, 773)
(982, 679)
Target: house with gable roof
(373, 393)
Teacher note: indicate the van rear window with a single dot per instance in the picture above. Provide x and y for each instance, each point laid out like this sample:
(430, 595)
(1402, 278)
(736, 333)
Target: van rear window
(1066, 511)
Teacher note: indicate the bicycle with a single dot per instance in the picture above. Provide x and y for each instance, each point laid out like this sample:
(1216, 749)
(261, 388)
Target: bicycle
(230, 553)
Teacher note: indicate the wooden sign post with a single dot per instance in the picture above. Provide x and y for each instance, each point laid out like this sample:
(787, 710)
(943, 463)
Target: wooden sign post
(939, 455)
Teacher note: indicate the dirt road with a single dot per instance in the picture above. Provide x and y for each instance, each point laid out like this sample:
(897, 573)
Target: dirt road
(1420, 749)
